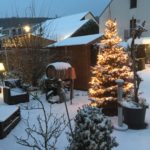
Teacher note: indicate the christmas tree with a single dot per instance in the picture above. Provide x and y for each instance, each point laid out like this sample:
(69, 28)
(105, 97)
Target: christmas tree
(112, 64)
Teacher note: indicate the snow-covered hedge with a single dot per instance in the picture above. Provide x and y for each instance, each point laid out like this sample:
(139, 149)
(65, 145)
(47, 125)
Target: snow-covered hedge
(92, 131)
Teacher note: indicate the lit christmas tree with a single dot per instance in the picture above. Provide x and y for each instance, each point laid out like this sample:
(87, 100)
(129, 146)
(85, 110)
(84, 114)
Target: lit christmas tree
(112, 64)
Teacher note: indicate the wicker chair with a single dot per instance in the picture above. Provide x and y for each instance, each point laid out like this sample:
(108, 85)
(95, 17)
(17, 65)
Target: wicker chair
(15, 96)
(13, 93)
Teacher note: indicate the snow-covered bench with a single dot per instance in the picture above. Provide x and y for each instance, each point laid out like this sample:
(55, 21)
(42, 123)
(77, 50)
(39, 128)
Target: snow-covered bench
(9, 117)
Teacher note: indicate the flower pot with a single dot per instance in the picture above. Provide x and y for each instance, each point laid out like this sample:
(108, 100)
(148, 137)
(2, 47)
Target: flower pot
(135, 117)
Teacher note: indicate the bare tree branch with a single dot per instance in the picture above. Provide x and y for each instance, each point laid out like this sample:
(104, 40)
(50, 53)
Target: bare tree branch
(45, 133)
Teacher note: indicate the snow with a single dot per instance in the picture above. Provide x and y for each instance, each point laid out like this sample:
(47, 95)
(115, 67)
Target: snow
(138, 41)
(6, 111)
(130, 104)
(63, 27)
(128, 140)
(16, 91)
(80, 40)
(60, 65)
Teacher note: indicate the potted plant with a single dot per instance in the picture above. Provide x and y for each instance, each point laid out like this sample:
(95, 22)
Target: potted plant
(134, 110)
(134, 107)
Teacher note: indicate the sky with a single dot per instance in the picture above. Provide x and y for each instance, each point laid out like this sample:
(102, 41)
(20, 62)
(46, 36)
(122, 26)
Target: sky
(50, 8)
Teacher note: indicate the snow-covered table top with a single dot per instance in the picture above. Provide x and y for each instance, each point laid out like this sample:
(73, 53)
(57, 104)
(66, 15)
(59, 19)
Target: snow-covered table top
(6, 111)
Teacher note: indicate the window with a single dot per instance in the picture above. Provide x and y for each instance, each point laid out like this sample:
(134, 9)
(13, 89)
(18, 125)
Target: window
(132, 25)
(133, 4)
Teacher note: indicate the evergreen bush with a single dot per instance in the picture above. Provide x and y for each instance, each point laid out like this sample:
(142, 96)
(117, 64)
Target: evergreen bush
(92, 131)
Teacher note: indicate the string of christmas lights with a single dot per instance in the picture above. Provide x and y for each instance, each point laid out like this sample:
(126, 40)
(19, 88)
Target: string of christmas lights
(112, 64)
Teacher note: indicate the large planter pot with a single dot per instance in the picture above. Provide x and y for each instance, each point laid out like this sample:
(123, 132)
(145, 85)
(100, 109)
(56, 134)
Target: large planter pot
(135, 118)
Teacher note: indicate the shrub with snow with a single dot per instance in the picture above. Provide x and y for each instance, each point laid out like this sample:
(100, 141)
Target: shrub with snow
(92, 131)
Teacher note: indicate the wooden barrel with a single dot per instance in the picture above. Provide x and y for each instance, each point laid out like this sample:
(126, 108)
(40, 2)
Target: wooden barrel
(58, 70)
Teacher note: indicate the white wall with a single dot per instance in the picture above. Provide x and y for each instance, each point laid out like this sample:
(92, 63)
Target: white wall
(120, 9)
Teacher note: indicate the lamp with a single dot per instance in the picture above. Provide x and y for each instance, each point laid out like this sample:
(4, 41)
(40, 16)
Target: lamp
(27, 28)
(2, 70)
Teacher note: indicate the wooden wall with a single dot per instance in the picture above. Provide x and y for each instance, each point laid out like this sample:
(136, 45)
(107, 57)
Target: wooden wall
(80, 58)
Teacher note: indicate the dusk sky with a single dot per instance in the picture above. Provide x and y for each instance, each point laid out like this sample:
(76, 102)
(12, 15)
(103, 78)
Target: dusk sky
(50, 8)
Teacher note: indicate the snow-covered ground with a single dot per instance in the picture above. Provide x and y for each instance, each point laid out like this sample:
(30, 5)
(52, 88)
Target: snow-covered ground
(128, 140)
(137, 139)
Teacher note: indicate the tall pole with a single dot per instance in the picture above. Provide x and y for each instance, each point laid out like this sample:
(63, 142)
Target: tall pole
(63, 95)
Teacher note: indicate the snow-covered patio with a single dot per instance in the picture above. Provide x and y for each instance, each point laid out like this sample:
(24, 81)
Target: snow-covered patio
(128, 140)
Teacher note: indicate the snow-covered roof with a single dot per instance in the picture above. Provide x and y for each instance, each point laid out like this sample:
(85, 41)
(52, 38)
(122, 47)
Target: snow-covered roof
(138, 41)
(63, 27)
(60, 65)
(80, 40)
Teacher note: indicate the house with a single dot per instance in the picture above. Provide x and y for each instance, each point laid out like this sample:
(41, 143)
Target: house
(81, 52)
(128, 13)
(15, 26)
(69, 26)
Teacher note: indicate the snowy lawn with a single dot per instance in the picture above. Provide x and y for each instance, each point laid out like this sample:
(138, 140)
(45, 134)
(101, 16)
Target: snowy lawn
(128, 140)
(137, 139)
